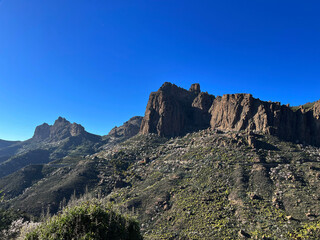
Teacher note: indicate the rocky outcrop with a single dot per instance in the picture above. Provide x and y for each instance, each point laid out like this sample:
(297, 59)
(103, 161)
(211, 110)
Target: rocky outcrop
(61, 129)
(240, 112)
(195, 88)
(316, 109)
(243, 112)
(128, 129)
(172, 111)
(42, 132)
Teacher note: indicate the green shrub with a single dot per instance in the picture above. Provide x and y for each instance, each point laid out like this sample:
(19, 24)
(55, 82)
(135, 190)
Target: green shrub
(89, 220)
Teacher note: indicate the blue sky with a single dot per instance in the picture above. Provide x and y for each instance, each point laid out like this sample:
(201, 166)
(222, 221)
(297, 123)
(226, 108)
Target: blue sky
(96, 61)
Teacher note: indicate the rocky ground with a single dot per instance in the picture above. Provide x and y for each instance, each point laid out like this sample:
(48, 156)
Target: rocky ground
(217, 185)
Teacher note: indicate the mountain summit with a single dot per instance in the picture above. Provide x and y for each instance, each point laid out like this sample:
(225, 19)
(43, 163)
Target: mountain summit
(61, 129)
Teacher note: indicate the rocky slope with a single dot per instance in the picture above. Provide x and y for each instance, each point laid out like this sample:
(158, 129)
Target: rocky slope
(119, 134)
(53, 166)
(8, 149)
(173, 111)
(4, 143)
(204, 185)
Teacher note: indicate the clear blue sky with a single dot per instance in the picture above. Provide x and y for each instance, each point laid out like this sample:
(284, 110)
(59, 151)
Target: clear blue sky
(96, 61)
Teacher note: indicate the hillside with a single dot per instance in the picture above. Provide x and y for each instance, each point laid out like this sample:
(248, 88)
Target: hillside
(54, 167)
(49, 143)
(196, 166)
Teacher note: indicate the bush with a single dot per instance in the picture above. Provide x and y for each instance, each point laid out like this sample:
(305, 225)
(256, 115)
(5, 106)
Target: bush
(89, 220)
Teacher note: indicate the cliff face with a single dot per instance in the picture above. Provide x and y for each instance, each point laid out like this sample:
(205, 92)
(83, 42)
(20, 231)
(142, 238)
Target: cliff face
(243, 112)
(173, 111)
(316, 110)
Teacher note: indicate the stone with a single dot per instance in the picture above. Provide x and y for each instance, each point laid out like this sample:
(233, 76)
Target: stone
(289, 218)
(243, 234)
(146, 160)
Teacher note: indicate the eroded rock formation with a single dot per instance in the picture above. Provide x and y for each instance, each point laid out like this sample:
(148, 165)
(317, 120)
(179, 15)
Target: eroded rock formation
(173, 111)
(61, 129)
(243, 112)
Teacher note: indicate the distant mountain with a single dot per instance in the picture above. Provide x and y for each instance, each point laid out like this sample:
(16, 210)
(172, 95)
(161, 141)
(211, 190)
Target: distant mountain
(49, 143)
(124, 132)
(61, 129)
(128, 129)
(8, 149)
(4, 143)
(56, 153)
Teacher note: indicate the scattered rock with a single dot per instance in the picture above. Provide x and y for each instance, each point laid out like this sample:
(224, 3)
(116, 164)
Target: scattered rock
(243, 234)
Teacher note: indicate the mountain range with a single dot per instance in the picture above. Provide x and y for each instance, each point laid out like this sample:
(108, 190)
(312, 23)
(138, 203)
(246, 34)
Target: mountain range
(196, 166)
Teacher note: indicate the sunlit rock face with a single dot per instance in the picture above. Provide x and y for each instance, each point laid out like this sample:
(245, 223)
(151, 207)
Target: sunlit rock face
(173, 111)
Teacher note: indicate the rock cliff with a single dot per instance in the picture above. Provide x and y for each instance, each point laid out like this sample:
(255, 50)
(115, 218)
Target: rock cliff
(243, 112)
(316, 109)
(173, 111)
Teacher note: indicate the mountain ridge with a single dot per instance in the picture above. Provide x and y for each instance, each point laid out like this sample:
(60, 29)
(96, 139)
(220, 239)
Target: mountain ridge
(174, 111)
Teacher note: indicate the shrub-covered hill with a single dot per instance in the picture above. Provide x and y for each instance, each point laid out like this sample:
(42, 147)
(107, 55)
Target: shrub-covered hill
(216, 185)
(204, 185)
(90, 220)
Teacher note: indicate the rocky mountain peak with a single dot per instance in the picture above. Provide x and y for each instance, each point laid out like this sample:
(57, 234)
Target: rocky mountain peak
(195, 88)
(61, 121)
(61, 129)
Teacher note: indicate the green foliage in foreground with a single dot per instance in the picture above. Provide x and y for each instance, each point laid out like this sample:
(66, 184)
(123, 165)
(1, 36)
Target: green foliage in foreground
(89, 220)
(307, 231)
